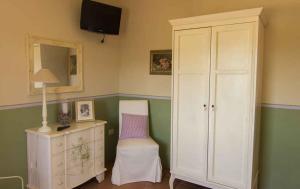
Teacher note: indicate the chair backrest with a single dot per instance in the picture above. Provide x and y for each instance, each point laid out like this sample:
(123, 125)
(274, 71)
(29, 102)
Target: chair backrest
(137, 107)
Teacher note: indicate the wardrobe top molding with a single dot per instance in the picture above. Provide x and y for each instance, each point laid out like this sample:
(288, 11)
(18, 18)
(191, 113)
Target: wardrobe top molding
(233, 17)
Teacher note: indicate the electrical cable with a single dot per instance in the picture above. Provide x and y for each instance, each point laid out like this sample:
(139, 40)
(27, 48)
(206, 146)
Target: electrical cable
(14, 177)
(102, 41)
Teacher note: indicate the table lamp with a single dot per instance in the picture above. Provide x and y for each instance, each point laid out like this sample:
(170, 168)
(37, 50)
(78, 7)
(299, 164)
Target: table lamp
(45, 76)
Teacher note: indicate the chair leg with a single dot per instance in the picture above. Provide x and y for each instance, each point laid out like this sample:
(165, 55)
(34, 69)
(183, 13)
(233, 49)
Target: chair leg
(171, 181)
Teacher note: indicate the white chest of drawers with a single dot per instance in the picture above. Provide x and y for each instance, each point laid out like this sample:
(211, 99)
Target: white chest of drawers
(65, 159)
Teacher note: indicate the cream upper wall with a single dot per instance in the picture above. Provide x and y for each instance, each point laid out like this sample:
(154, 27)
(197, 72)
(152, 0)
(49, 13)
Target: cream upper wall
(148, 28)
(57, 19)
(122, 63)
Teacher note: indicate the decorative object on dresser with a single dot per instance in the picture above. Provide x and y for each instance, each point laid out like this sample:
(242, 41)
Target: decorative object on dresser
(217, 74)
(85, 110)
(65, 117)
(161, 62)
(45, 76)
(65, 159)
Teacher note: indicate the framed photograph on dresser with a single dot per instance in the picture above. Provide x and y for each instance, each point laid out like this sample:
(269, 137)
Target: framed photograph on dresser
(85, 110)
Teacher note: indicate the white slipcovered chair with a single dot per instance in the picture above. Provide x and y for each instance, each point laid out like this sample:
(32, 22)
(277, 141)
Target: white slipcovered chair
(137, 159)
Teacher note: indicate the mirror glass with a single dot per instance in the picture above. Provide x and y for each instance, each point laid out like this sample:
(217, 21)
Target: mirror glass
(63, 59)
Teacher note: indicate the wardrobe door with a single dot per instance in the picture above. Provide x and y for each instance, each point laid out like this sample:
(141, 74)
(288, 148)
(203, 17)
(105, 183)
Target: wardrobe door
(190, 102)
(230, 94)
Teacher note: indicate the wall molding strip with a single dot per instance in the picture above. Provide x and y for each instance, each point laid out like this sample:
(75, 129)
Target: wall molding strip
(33, 104)
(281, 106)
(39, 103)
(145, 96)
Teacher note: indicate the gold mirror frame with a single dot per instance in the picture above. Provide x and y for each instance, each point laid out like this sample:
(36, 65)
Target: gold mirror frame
(31, 40)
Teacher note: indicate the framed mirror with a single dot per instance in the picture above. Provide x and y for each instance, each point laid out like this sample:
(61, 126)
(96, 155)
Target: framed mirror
(63, 59)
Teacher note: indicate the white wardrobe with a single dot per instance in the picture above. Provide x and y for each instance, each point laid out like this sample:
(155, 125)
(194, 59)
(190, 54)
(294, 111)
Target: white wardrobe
(217, 67)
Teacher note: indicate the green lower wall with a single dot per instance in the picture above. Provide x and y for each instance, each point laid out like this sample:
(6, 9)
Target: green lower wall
(13, 140)
(280, 139)
(108, 109)
(280, 149)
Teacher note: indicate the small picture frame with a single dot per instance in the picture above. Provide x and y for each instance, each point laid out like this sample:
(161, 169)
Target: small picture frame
(85, 110)
(161, 62)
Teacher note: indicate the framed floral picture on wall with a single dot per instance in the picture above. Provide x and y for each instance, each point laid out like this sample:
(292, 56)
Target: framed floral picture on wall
(161, 62)
(85, 110)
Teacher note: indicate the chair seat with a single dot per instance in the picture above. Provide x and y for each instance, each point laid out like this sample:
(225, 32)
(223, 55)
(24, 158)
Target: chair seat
(137, 144)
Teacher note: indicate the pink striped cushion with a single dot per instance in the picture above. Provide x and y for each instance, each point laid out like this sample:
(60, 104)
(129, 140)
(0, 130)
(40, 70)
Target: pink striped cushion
(134, 126)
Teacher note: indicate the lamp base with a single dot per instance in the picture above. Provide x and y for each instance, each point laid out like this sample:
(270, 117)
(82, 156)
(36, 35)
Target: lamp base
(44, 129)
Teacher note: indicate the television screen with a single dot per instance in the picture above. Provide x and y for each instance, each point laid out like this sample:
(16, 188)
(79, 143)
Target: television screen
(99, 17)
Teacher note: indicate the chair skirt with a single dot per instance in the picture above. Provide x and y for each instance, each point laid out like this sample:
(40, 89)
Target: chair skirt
(137, 160)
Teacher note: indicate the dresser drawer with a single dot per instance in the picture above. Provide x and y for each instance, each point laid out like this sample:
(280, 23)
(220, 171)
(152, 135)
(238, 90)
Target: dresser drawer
(57, 145)
(58, 182)
(99, 153)
(80, 174)
(58, 165)
(99, 148)
(99, 133)
(80, 154)
(99, 164)
(81, 169)
(79, 138)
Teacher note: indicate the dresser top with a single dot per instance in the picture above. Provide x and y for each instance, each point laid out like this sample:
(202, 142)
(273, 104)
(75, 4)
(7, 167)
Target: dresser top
(75, 127)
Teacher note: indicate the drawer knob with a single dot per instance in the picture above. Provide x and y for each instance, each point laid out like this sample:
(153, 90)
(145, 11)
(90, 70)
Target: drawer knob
(60, 183)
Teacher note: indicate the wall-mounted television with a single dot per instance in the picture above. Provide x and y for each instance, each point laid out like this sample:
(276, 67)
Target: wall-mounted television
(99, 17)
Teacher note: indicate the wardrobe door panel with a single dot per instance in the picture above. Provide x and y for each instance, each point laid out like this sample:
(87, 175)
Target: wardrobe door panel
(191, 90)
(229, 127)
(228, 136)
(232, 47)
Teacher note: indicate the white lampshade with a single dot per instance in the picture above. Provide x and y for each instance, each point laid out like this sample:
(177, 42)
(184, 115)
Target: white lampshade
(45, 76)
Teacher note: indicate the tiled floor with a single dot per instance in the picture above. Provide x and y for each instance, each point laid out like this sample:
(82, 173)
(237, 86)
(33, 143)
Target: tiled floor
(106, 184)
